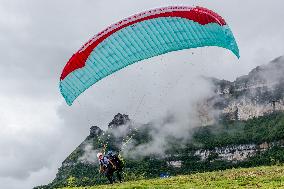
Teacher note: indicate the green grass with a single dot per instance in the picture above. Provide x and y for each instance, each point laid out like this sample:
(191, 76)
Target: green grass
(258, 177)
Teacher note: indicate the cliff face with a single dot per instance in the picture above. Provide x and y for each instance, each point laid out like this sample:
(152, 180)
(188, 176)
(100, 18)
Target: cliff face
(236, 153)
(256, 94)
(118, 120)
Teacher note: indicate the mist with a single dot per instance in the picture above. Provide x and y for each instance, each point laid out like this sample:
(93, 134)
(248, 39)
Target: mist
(178, 118)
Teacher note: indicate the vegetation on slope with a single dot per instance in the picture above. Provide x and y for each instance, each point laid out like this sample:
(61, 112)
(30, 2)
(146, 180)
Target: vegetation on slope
(267, 128)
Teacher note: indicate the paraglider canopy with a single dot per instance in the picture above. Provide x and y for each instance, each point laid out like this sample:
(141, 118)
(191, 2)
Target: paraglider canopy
(141, 36)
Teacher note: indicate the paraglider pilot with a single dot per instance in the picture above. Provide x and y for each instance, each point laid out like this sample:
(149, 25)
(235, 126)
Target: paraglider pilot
(117, 162)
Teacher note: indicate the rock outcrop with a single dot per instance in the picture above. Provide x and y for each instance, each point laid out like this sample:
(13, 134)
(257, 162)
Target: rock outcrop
(256, 94)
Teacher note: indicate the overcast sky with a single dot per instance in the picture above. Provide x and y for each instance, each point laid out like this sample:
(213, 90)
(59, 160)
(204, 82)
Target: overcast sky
(37, 128)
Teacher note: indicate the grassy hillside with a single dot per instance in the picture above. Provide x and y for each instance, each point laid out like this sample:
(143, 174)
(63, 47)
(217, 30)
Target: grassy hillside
(258, 177)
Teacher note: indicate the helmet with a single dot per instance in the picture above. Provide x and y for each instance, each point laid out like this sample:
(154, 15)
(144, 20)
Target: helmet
(99, 154)
(110, 153)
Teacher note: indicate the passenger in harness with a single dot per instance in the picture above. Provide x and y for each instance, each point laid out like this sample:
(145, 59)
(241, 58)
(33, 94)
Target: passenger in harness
(106, 166)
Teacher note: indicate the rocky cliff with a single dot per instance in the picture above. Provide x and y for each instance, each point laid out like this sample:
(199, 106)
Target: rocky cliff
(256, 94)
